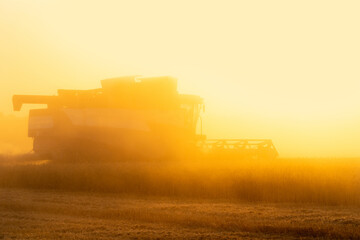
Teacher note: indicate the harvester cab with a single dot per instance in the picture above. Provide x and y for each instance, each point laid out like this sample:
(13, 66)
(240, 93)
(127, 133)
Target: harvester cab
(133, 117)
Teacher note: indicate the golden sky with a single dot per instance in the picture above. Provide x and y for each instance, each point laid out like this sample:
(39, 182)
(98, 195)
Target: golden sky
(285, 70)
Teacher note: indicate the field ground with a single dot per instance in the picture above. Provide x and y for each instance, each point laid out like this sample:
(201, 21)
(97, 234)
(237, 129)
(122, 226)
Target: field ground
(46, 214)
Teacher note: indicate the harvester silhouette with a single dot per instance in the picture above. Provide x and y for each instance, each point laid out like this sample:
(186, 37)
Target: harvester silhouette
(129, 117)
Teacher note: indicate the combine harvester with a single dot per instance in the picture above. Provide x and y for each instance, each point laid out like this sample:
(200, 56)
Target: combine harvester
(130, 118)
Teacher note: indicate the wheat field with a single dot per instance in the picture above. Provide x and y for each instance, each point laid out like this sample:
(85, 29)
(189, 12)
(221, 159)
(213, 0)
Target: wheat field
(319, 181)
(197, 199)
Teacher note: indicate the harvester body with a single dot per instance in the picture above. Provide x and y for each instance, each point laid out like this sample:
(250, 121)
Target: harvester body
(132, 117)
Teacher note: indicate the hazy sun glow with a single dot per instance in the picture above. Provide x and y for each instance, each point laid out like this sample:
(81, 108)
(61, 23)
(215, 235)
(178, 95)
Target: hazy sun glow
(289, 72)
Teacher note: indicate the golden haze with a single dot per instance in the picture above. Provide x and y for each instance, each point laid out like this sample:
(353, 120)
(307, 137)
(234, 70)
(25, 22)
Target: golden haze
(103, 161)
(281, 70)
